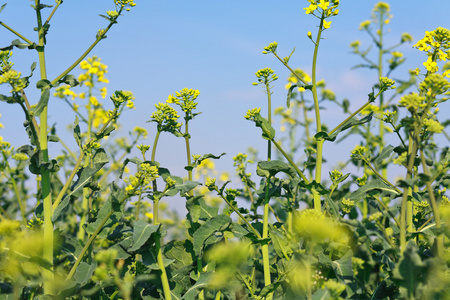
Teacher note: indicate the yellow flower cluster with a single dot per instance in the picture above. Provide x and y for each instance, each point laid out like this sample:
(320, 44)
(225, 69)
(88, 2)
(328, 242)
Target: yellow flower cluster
(433, 125)
(327, 8)
(292, 79)
(324, 227)
(412, 101)
(437, 46)
(93, 68)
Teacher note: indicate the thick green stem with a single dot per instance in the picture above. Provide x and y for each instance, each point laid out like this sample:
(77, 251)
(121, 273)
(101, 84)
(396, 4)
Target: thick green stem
(46, 189)
(319, 149)
(159, 256)
(265, 235)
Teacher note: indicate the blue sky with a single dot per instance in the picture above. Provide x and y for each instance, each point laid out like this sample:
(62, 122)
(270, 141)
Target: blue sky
(160, 47)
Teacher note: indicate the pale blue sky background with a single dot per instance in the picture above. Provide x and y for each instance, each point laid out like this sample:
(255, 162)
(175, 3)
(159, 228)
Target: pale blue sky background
(160, 47)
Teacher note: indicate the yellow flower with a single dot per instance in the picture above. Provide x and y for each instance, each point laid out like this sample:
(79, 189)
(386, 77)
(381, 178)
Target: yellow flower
(431, 65)
(103, 92)
(364, 25)
(326, 24)
(310, 9)
(323, 5)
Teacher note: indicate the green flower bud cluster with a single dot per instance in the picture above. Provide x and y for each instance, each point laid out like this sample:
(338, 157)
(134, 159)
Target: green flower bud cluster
(358, 152)
(251, 113)
(265, 76)
(335, 175)
(146, 174)
(272, 48)
(386, 84)
(166, 117)
(347, 205)
(412, 102)
(120, 97)
(185, 99)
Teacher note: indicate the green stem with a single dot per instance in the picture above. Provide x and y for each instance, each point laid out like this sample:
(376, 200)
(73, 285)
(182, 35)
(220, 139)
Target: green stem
(85, 53)
(269, 118)
(319, 149)
(403, 209)
(16, 33)
(16, 191)
(238, 213)
(434, 206)
(289, 159)
(265, 235)
(46, 187)
(159, 256)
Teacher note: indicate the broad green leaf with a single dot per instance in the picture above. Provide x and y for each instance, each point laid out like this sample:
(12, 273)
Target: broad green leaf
(198, 209)
(107, 211)
(86, 174)
(280, 242)
(385, 153)
(321, 294)
(84, 272)
(209, 228)
(272, 167)
(69, 79)
(376, 184)
(141, 233)
(202, 283)
(333, 208)
(343, 266)
(180, 251)
(410, 271)
(36, 111)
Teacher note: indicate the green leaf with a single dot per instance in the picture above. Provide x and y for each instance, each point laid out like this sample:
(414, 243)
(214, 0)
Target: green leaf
(343, 266)
(2, 7)
(84, 272)
(377, 184)
(43, 84)
(70, 80)
(409, 272)
(202, 283)
(333, 208)
(77, 132)
(198, 209)
(17, 43)
(280, 242)
(316, 186)
(180, 251)
(86, 174)
(268, 131)
(272, 167)
(387, 151)
(349, 124)
(209, 228)
(322, 294)
(104, 133)
(141, 233)
(43, 102)
(105, 211)
(202, 158)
